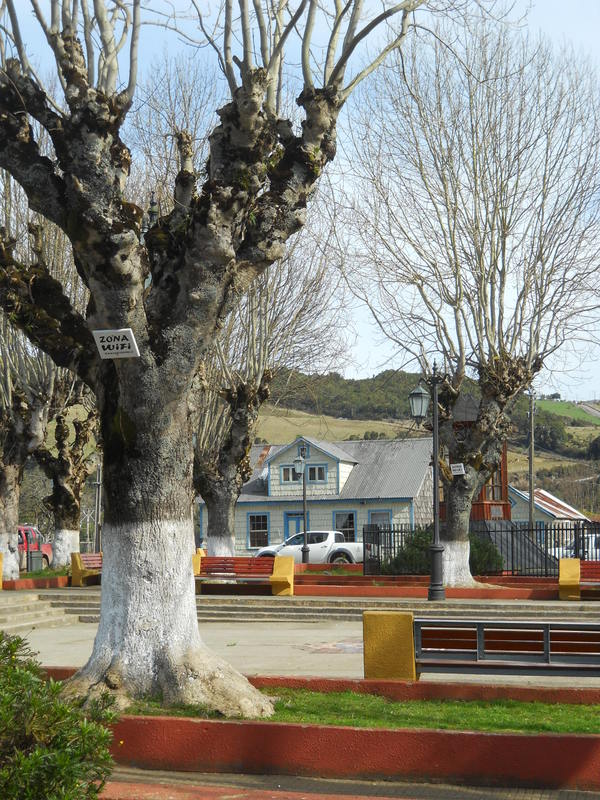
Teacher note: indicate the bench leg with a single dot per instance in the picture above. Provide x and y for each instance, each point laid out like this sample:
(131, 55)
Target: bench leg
(569, 592)
(282, 588)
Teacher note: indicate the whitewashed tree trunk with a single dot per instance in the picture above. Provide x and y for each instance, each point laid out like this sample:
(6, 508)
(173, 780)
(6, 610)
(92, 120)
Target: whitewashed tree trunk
(220, 533)
(65, 542)
(10, 490)
(147, 641)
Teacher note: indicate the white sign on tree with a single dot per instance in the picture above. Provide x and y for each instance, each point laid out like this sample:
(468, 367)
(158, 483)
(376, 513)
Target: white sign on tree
(119, 343)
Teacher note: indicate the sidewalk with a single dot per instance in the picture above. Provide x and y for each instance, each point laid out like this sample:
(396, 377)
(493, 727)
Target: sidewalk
(132, 785)
(328, 649)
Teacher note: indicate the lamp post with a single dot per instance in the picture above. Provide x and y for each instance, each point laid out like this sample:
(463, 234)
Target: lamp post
(300, 468)
(419, 403)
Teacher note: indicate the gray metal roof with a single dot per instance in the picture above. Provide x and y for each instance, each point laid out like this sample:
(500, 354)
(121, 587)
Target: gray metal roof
(382, 469)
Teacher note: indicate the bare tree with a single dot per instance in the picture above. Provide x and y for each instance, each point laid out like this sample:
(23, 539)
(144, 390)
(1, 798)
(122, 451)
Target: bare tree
(174, 290)
(26, 384)
(66, 462)
(477, 216)
(290, 319)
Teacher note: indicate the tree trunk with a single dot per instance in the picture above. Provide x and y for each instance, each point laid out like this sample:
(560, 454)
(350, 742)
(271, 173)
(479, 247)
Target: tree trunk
(219, 476)
(148, 641)
(458, 495)
(220, 508)
(10, 490)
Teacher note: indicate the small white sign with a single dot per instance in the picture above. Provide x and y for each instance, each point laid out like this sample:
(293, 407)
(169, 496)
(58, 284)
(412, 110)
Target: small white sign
(118, 343)
(457, 469)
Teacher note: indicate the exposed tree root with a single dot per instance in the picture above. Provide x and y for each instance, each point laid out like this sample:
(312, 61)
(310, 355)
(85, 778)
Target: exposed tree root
(200, 678)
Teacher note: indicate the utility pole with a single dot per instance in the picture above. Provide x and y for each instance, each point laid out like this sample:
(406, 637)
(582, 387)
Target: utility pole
(98, 508)
(531, 454)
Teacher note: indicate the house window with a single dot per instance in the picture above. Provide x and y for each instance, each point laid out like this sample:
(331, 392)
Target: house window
(258, 530)
(289, 475)
(493, 488)
(317, 473)
(383, 518)
(345, 522)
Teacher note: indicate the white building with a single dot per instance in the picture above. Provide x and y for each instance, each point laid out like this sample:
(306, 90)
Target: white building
(348, 485)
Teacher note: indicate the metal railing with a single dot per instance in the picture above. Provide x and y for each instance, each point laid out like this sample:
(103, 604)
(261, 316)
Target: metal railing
(497, 547)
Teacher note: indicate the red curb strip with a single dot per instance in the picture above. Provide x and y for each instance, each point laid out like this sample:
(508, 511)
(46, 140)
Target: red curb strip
(58, 582)
(544, 761)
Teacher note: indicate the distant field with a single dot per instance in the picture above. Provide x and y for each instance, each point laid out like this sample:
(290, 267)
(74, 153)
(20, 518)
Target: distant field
(565, 409)
(518, 461)
(282, 425)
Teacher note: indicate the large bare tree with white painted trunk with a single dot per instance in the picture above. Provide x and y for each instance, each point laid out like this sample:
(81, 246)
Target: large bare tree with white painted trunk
(290, 318)
(478, 175)
(174, 289)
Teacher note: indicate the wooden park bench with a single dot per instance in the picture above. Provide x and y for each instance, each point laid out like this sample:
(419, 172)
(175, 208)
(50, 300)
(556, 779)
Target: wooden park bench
(492, 647)
(84, 566)
(575, 575)
(276, 573)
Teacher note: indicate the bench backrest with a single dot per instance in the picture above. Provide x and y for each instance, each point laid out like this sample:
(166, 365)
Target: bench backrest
(91, 560)
(236, 565)
(497, 640)
(590, 570)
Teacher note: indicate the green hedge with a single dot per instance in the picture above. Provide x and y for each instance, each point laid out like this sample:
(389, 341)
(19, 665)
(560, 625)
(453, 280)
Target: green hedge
(414, 557)
(50, 747)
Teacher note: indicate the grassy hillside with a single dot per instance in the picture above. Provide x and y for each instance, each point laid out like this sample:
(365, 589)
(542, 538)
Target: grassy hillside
(564, 408)
(282, 425)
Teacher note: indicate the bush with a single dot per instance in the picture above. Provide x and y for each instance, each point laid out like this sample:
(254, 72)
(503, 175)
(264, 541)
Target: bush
(50, 747)
(484, 558)
(414, 557)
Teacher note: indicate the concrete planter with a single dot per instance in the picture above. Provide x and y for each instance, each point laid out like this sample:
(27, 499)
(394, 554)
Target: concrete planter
(58, 582)
(568, 761)
(542, 761)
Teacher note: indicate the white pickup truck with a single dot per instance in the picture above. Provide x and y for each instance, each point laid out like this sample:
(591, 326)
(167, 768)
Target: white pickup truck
(324, 547)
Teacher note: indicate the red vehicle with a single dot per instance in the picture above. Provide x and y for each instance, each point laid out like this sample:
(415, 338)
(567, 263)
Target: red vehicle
(31, 539)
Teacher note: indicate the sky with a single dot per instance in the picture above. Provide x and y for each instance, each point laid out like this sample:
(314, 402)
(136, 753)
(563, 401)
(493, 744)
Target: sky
(575, 21)
(574, 376)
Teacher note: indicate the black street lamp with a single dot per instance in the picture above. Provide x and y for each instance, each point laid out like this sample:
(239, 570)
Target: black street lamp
(419, 403)
(300, 468)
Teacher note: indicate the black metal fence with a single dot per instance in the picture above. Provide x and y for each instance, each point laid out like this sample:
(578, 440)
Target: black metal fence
(497, 547)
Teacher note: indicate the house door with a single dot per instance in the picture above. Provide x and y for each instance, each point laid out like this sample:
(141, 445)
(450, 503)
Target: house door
(293, 522)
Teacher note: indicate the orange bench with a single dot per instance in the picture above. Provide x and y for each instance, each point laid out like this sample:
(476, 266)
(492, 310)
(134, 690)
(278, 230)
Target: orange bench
(277, 573)
(575, 575)
(84, 566)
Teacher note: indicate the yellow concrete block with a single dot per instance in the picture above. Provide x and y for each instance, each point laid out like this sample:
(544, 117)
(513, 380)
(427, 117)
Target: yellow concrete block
(197, 560)
(568, 579)
(282, 577)
(389, 647)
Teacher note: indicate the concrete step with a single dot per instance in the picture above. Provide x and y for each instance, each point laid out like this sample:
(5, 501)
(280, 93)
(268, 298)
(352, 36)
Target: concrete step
(15, 618)
(86, 605)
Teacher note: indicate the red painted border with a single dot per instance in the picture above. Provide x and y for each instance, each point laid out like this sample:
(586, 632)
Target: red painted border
(503, 593)
(58, 582)
(169, 743)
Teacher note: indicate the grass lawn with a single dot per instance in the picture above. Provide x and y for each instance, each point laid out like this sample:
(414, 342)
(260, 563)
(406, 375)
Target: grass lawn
(45, 573)
(566, 409)
(370, 711)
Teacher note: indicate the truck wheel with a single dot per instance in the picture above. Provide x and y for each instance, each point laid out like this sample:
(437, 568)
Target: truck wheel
(45, 562)
(341, 558)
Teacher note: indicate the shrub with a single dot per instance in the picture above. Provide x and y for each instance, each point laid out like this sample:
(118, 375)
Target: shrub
(50, 747)
(414, 558)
